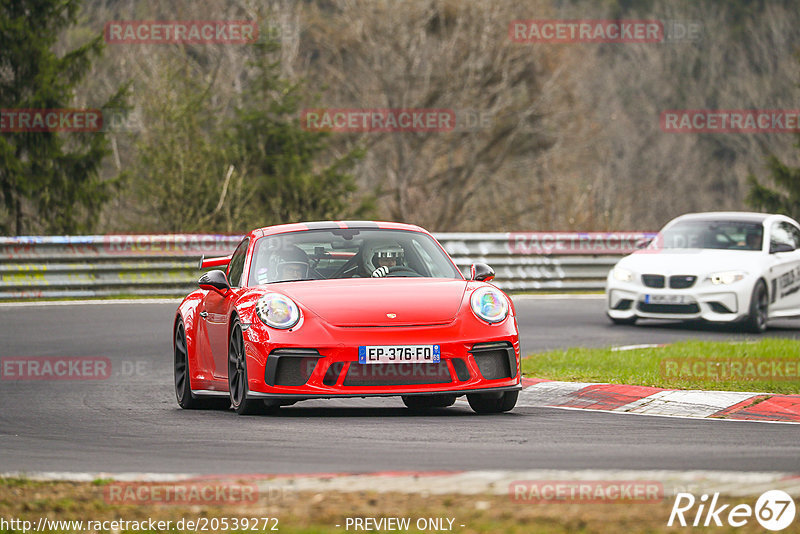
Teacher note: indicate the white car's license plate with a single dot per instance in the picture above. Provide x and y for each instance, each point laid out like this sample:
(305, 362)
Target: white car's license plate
(668, 299)
(399, 354)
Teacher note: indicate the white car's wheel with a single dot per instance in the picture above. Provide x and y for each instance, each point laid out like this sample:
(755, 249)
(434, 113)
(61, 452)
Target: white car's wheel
(756, 321)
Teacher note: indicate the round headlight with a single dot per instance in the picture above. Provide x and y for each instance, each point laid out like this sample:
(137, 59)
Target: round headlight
(489, 304)
(277, 311)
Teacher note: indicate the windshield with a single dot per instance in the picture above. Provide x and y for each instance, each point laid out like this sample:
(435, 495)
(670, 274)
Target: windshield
(734, 235)
(348, 253)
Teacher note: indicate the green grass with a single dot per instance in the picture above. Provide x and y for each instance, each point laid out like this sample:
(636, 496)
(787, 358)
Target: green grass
(684, 365)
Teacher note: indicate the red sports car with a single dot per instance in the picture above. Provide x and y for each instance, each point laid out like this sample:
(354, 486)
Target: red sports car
(344, 309)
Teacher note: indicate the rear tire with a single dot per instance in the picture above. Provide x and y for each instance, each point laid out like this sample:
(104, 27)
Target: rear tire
(425, 402)
(756, 321)
(237, 375)
(182, 371)
(493, 402)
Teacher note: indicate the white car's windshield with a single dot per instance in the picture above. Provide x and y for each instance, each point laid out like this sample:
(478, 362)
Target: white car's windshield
(348, 253)
(708, 234)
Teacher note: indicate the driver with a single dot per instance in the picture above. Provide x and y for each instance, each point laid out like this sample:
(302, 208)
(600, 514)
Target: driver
(292, 264)
(386, 257)
(753, 241)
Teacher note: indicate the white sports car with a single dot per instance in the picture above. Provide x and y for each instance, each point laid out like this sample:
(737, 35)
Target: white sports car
(722, 267)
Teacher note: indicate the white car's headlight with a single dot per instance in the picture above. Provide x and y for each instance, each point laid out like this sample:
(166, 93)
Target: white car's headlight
(489, 304)
(277, 311)
(726, 277)
(623, 275)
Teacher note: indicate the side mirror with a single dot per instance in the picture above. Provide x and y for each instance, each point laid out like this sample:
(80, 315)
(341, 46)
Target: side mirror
(214, 280)
(481, 272)
(780, 247)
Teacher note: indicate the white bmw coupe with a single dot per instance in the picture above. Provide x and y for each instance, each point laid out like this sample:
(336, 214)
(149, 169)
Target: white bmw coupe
(723, 267)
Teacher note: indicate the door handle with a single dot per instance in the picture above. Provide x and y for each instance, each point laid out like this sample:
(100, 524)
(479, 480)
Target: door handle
(203, 314)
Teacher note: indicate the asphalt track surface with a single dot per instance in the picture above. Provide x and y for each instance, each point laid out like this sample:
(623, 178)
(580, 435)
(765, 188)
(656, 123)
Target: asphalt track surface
(131, 423)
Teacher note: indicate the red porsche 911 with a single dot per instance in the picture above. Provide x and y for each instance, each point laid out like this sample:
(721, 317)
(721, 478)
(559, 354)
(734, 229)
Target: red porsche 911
(344, 309)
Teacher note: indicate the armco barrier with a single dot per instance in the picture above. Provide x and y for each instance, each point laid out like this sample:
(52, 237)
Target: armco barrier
(166, 265)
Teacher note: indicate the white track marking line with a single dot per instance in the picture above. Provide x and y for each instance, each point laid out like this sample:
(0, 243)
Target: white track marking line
(550, 393)
(693, 403)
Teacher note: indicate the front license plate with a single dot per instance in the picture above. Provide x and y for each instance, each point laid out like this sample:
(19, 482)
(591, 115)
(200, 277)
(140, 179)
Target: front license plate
(668, 299)
(399, 354)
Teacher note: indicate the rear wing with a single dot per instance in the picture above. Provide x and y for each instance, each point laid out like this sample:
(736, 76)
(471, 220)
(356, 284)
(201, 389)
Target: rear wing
(213, 262)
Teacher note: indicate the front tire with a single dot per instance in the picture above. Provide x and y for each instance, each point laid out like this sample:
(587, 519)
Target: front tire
(182, 372)
(425, 402)
(493, 402)
(237, 374)
(756, 321)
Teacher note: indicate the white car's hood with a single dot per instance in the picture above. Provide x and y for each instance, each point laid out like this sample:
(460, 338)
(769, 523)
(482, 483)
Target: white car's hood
(691, 261)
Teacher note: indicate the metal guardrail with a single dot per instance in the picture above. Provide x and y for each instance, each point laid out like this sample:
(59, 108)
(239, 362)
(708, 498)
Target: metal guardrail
(166, 265)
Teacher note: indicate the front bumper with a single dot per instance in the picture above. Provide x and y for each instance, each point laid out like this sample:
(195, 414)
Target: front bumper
(321, 361)
(625, 300)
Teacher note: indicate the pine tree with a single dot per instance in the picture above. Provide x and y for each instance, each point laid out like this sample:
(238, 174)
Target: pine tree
(49, 181)
(283, 161)
(785, 199)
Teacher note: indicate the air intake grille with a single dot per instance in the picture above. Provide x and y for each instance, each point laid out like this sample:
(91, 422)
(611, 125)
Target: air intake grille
(720, 307)
(495, 360)
(624, 304)
(460, 366)
(290, 367)
(332, 374)
(669, 308)
(653, 280)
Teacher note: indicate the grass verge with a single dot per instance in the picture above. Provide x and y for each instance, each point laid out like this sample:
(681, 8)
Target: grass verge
(768, 365)
(320, 512)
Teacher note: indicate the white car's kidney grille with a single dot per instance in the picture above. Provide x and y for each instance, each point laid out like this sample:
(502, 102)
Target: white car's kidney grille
(682, 281)
(653, 280)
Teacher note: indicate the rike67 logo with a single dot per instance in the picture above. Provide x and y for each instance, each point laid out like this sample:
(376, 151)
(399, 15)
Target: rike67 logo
(774, 510)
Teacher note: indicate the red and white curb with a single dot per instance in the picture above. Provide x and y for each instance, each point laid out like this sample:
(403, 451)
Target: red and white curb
(730, 405)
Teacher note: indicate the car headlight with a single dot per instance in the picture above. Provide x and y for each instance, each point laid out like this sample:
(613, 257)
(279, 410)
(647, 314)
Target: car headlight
(623, 275)
(726, 277)
(489, 304)
(277, 311)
